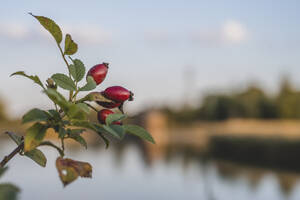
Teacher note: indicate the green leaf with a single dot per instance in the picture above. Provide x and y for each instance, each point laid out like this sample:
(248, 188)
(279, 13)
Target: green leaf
(64, 81)
(35, 115)
(34, 136)
(92, 126)
(61, 132)
(114, 117)
(70, 46)
(82, 123)
(50, 26)
(37, 156)
(139, 131)
(57, 98)
(16, 138)
(8, 192)
(90, 85)
(100, 131)
(75, 131)
(55, 115)
(86, 124)
(83, 107)
(35, 78)
(77, 70)
(115, 130)
(75, 136)
(77, 111)
(2, 170)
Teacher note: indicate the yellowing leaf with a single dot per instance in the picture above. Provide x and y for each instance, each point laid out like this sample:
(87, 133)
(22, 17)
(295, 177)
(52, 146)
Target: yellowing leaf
(96, 96)
(34, 136)
(50, 26)
(70, 46)
(35, 78)
(69, 170)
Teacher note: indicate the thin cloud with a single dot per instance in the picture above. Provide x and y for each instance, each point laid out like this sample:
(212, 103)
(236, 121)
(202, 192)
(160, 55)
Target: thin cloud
(89, 34)
(206, 38)
(13, 31)
(229, 32)
(234, 31)
(85, 34)
(160, 36)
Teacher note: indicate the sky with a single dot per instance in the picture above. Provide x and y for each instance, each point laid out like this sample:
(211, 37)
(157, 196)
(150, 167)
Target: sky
(167, 52)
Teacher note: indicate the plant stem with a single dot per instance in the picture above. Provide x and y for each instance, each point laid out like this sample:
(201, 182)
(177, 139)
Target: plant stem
(62, 144)
(46, 143)
(74, 97)
(7, 158)
(56, 107)
(63, 56)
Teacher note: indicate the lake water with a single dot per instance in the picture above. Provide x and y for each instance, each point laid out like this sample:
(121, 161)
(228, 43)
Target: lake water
(128, 172)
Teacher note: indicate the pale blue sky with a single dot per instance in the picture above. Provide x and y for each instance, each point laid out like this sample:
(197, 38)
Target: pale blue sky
(151, 44)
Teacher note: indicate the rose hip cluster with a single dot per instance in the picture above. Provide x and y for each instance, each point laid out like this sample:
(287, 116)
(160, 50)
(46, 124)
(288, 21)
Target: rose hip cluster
(117, 94)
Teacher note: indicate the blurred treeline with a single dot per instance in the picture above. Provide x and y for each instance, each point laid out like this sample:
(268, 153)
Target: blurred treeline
(3, 114)
(250, 103)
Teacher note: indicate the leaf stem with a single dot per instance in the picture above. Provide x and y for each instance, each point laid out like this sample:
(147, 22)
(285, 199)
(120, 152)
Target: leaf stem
(91, 107)
(56, 108)
(60, 151)
(63, 56)
(76, 92)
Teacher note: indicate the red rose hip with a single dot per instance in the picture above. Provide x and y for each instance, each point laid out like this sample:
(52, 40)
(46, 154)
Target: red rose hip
(102, 114)
(118, 94)
(98, 72)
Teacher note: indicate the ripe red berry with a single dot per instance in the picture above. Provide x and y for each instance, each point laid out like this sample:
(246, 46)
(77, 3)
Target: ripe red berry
(102, 114)
(117, 123)
(108, 104)
(98, 72)
(118, 94)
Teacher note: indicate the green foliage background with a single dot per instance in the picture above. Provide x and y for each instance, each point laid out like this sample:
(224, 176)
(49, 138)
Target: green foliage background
(252, 102)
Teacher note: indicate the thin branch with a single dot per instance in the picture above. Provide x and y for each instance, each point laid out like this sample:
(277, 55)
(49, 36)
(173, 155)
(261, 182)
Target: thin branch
(7, 158)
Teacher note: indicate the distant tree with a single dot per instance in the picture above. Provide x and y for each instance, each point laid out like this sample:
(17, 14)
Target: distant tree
(3, 114)
(256, 104)
(216, 107)
(250, 103)
(288, 101)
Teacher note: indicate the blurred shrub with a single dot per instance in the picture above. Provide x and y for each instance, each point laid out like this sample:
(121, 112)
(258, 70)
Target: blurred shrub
(250, 103)
(3, 114)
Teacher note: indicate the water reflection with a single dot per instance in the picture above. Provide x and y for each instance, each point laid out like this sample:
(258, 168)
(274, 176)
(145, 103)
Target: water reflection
(133, 170)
